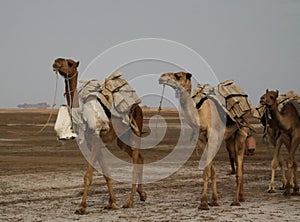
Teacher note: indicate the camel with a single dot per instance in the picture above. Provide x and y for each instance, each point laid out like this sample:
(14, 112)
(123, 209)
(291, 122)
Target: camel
(288, 122)
(67, 68)
(234, 136)
(277, 138)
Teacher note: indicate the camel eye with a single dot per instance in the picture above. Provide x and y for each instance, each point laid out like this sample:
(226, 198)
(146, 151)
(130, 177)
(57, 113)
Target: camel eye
(177, 77)
(272, 97)
(70, 64)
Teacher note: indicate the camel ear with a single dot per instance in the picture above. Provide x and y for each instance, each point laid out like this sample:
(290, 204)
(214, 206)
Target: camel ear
(267, 90)
(188, 75)
(77, 63)
(277, 93)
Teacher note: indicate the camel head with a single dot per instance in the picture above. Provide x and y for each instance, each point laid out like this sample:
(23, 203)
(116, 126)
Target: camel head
(269, 99)
(179, 81)
(66, 67)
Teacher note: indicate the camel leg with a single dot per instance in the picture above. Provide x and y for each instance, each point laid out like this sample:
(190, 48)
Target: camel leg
(291, 177)
(106, 174)
(295, 180)
(88, 177)
(136, 169)
(274, 164)
(230, 149)
(137, 175)
(240, 149)
(283, 179)
(112, 200)
(143, 194)
(206, 175)
(214, 201)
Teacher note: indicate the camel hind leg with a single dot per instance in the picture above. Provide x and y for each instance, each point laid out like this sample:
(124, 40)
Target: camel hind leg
(137, 174)
(231, 153)
(240, 149)
(214, 200)
(291, 164)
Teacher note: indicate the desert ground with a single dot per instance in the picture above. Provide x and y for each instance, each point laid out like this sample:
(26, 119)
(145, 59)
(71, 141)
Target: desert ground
(41, 179)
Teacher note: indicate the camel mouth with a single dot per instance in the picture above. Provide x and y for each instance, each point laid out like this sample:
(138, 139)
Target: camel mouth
(56, 67)
(262, 102)
(162, 81)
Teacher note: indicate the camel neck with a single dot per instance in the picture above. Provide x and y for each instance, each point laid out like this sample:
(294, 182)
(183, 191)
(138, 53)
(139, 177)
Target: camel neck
(277, 116)
(184, 97)
(70, 91)
(189, 110)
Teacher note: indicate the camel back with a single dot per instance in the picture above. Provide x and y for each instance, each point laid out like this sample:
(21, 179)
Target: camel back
(228, 95)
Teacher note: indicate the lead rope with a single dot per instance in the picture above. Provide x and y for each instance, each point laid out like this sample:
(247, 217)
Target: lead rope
(52, 108)
(159, 108)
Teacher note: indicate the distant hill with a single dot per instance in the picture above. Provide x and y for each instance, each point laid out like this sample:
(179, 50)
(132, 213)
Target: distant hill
(33, 106)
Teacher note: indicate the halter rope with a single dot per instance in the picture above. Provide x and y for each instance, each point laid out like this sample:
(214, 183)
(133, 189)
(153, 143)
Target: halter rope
(52, 108)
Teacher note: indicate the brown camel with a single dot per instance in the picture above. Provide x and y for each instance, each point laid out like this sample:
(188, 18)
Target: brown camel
(288, 121)
(234, 136)
(68, 69)
(277, 138)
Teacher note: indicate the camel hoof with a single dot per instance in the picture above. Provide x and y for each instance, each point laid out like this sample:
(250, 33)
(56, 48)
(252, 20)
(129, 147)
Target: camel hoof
(295, 193)
(80, 212)
(143, 196)
(203, 206)
(111, 206)
(271, 190)
(129, 204)
(235, 203)
(282, 187)
(214, 204)
(231, 173)
(286, 193)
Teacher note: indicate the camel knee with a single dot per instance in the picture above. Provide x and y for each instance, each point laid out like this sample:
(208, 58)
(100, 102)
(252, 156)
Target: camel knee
(275, 163)
(88, 178)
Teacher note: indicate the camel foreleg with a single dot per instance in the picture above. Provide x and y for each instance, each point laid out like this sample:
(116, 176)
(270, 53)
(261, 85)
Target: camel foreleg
(274, 164)
(206, 175)
(88, 178)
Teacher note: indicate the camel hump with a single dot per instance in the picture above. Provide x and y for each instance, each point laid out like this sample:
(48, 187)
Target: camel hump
(292, 106)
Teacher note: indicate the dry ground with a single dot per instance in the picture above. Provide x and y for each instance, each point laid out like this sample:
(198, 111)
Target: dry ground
(42, 180)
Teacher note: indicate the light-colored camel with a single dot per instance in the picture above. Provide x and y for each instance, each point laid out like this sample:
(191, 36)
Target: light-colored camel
(277, 139)
(288, 121)
(234, 136)
(68, 69)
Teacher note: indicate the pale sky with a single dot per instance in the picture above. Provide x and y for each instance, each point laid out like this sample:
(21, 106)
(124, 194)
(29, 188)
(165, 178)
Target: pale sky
(256, 43)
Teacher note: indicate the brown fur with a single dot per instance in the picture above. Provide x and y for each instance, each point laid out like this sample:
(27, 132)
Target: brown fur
(68, 69)
(287, 121)
(235, 137)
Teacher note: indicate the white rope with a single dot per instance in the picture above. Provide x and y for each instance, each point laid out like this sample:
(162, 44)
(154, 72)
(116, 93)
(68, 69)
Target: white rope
(53, 105)
(159, 108)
